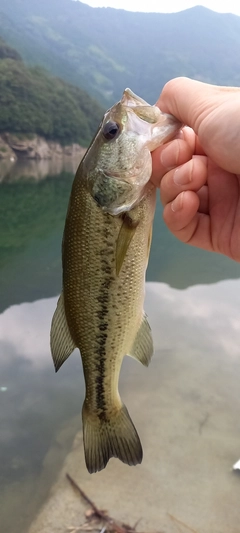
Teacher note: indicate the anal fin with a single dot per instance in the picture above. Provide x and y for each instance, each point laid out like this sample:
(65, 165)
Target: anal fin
(61, 341)
(142, 348)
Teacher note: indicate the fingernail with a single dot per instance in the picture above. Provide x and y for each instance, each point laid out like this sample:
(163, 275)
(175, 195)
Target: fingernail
(169, 155)
(183, 174)
(177, 203)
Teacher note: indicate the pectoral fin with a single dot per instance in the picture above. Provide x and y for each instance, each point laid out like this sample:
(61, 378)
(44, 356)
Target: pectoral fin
(61, 341)
(142, 348)
(125, 236)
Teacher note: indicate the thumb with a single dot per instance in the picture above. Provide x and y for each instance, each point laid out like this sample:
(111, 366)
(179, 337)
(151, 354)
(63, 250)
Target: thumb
(188, 100)
(212, 112)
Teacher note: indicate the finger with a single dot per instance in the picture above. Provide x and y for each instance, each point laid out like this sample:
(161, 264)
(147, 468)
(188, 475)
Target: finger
(187, 134)
(192, 175)
(186, 223)
(170, 155)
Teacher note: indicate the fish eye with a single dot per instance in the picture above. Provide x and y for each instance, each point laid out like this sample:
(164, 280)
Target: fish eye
(110, 130)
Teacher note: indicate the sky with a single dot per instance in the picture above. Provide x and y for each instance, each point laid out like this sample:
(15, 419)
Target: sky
(169, 6)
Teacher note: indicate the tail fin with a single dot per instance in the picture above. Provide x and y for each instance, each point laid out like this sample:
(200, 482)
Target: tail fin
(113, 437)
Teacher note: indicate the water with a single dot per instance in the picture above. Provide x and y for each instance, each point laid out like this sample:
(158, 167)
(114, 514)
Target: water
(40, 411)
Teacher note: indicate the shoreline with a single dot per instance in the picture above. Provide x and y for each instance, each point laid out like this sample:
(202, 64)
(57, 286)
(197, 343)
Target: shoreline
(36, 148)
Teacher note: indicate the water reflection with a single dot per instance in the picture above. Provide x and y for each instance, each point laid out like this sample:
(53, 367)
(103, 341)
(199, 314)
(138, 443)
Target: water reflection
(32, 215)
(36, 169)
(24, 332)
(31, 226)
(33, 417)
(215, 309)
(196, 337)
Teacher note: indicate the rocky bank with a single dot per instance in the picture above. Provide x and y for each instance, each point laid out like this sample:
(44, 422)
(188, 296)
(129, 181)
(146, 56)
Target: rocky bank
(35, 147)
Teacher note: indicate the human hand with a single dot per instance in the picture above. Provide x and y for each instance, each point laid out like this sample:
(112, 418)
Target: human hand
(199, 172)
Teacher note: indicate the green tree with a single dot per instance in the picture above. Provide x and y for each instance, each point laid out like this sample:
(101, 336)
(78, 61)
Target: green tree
(32, 101)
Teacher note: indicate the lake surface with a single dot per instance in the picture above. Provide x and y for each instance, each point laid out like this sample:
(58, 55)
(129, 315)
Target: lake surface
(40, 412)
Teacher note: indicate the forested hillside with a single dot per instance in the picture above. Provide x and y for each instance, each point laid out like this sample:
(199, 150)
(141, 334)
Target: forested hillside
(33, 101)
(105, 50)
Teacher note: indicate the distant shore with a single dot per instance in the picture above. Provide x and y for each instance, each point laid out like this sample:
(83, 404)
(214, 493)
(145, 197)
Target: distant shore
(15, 147)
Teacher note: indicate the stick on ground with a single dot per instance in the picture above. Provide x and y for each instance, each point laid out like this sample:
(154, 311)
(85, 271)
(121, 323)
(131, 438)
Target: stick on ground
(109, 524)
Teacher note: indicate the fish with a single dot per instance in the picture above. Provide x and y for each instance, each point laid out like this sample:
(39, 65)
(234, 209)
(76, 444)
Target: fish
(105, 250)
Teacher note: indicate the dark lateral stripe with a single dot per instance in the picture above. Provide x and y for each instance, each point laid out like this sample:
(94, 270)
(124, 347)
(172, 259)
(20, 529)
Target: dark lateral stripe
(102, 335)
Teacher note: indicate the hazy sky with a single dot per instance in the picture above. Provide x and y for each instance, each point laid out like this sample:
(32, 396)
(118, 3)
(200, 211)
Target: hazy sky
(163, 6)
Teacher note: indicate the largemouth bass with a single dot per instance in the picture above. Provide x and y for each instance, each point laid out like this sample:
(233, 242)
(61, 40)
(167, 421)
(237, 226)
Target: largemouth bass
(106, 245)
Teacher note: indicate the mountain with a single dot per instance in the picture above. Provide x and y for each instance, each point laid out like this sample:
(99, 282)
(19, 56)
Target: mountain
(33, 101)
(104, 50)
